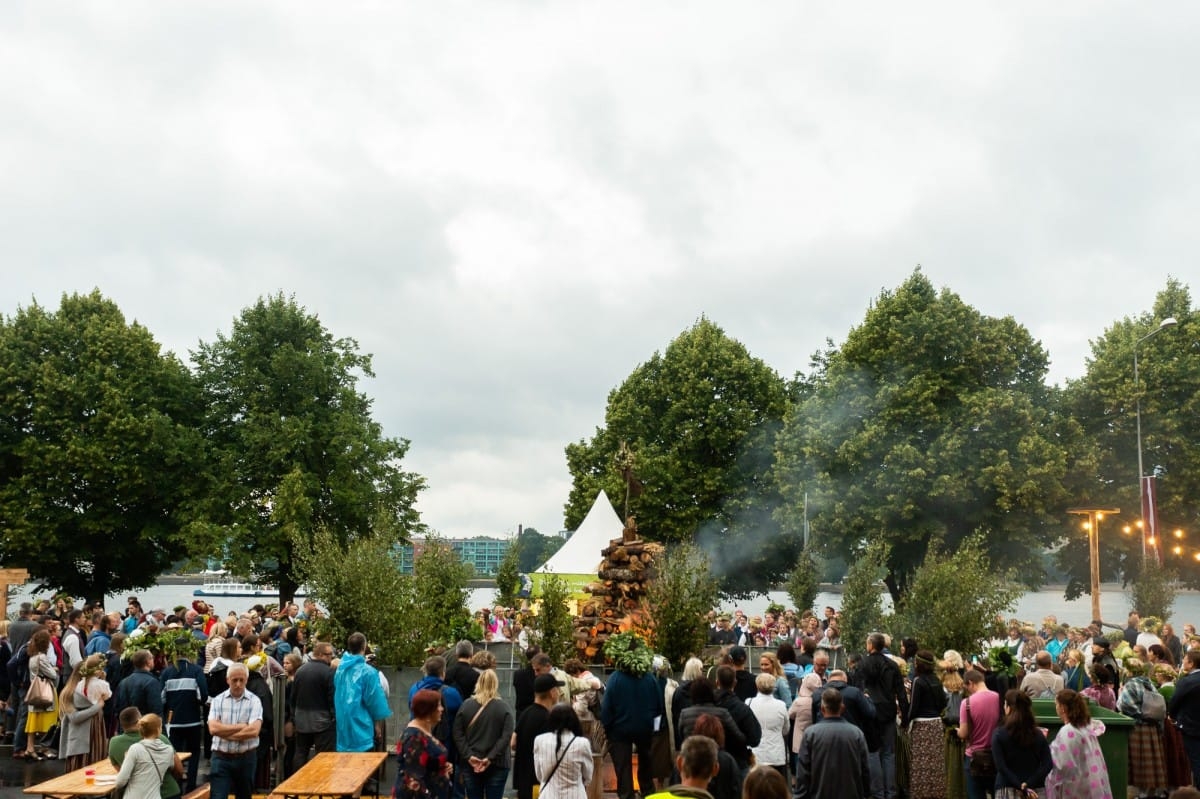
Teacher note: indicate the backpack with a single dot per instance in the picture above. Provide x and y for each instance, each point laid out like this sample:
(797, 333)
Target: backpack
(441, 730)
(1154, 707)
(18, 668)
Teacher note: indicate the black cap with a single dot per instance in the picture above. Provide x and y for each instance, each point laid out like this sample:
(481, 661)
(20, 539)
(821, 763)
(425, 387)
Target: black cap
(1101, 641)
(737, 654)
(543, 683)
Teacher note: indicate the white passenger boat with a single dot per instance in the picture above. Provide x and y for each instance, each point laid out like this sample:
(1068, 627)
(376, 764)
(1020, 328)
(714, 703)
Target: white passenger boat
(222, 585)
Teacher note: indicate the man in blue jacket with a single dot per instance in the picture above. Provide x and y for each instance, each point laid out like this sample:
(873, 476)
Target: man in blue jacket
(141, 689)
(628, 711)
(184, 694)
(360, 705)
(435, 680)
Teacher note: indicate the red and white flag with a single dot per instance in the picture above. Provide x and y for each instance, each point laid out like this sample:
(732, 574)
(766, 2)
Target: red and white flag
(1150, 517)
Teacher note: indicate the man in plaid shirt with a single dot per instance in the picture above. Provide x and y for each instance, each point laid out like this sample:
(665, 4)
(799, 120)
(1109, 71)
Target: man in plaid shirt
(234, 721)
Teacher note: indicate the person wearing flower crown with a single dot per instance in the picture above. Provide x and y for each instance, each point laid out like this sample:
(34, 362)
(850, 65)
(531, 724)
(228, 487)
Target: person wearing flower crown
(81, 705)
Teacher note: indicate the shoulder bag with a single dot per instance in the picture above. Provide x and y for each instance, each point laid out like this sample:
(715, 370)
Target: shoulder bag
(40, 695)
(558, 762)
(982, 763)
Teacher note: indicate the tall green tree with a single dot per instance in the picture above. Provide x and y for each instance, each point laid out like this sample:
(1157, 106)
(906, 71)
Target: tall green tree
(348, 579)
(439, 611)
(508, 577)
(552, 627)
(862, 600)
(804, 581)
(1105, 401)
(101, 460)
(955, 599)
(682, 591)
(294, 442)
(931, 421)
(701, 419)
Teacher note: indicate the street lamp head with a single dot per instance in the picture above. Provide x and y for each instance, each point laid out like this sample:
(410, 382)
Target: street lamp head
(1170, 321)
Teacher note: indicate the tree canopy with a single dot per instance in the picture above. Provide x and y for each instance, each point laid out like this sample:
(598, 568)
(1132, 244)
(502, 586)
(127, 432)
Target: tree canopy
(700, 419)
(101, 459)
(931, 422)
(294, 443)
(533, 549)
(1104, 405)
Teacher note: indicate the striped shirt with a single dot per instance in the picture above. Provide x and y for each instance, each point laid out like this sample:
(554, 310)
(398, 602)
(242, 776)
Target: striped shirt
(228, 710)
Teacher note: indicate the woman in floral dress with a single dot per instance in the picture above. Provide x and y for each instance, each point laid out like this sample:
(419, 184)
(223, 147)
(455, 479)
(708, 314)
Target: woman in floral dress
(423, 767)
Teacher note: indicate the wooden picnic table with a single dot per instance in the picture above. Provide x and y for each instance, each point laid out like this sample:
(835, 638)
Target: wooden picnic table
(331, 774)
(74, 783)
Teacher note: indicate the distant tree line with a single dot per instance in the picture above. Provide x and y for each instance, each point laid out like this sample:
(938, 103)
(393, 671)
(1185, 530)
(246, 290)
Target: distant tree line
(930, 426)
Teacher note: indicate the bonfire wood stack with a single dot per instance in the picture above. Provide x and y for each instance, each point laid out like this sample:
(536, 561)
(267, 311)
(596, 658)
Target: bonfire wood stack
(617, 597)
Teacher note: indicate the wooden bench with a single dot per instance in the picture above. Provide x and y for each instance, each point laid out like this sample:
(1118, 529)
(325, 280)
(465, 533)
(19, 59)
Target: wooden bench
(201, 792)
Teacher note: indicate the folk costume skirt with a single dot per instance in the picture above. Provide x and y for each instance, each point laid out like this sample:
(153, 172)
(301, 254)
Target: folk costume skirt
(1147, 767)
(927, 771)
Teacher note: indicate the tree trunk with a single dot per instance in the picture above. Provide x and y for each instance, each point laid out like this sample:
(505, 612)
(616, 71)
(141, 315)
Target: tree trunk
(894, 587)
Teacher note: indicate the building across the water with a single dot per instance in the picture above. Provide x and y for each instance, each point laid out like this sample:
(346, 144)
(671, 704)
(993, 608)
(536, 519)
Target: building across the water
(482, 552)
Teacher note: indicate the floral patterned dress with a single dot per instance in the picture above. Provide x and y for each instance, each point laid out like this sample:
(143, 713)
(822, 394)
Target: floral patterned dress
(421, 768)
(1079, 770)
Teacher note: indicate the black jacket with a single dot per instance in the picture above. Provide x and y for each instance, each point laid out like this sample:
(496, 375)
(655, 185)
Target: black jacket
(746, 721)
(143, 690)
(880, 679)
(1185, 704)
(743, 685)
(522, 689)
(856, 709)
(463, 677)
(311, 699)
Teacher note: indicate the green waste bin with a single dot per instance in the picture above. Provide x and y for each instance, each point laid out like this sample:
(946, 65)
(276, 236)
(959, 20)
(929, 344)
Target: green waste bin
(1114, 743)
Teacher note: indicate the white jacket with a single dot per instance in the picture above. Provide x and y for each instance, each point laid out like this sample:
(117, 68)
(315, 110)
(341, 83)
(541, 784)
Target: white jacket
(772, 715)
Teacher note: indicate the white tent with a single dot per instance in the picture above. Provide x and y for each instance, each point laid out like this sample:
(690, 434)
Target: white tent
(581, 553)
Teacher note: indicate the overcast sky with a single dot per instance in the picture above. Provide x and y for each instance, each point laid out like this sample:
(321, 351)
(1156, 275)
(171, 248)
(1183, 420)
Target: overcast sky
(513, 204)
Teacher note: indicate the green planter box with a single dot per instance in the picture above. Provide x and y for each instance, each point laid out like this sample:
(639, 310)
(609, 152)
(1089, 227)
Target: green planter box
(1114, 743)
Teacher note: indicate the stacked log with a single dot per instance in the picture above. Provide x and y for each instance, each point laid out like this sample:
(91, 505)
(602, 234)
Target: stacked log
(618, 597)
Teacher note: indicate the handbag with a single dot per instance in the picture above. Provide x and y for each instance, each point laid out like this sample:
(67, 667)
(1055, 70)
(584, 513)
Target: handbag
(40, 695)
(983, 765)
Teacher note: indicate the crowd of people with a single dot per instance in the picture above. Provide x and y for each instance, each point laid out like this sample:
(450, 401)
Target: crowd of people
(941, 725)
(817, 718)
(235, 691)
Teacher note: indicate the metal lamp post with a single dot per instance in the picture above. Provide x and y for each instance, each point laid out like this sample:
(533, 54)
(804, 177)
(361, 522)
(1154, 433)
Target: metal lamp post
(1170, 321)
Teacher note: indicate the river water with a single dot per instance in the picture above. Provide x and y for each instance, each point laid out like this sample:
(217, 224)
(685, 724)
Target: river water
(1033, 607)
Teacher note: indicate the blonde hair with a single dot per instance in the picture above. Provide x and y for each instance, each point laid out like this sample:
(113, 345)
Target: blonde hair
(487, 688)
(150, 726)
(693, 668)
(89, 664)
(776, 667)
(952, 681)
(952, 657)
(765, 683)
